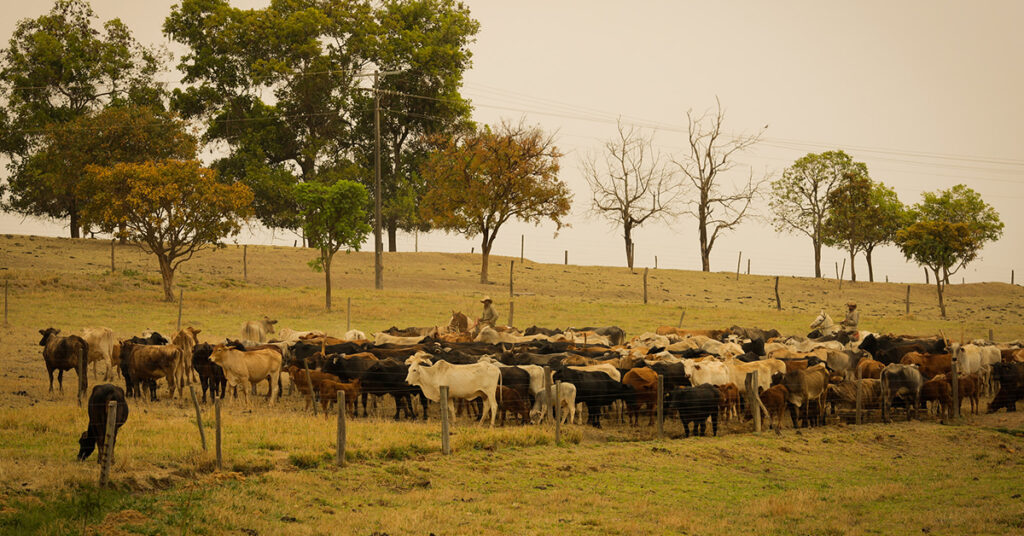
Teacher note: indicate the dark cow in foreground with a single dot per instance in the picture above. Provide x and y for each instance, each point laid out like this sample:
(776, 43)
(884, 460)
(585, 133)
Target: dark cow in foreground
(596, 390)
(65, 353)
(510, 400)
(695, 405)
(96, 433)
(387, 377)
(903, 381)
(211, 376)
(1011, 386)
(774, 400)
(806, 390)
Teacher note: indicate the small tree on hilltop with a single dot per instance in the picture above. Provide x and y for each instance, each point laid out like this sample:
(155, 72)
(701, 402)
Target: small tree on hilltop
(961, 204)
(848, 220)
(936, 245)
(887, 216)
(171, 208)
(479, 181)
(332, 217)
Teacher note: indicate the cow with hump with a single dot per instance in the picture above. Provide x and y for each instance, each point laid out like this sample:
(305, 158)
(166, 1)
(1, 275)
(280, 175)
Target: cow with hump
(479, 380)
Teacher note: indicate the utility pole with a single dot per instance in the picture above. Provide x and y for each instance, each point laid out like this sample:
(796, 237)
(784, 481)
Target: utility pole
(378, 242)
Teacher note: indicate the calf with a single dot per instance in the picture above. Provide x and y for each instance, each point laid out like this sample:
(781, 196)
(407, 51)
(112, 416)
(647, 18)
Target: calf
(329, 389)
(510, 399)
(695, 405)
(96, 433)
(730, 400)
(937, 390)
(596, 390)
(645, 382)
(774, 399)
(302, 382)
(65, 353)
(1011, 386)
(969, 387)
(566, 399)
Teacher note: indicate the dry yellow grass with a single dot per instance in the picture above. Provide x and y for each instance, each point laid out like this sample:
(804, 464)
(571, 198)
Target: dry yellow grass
(279, 476)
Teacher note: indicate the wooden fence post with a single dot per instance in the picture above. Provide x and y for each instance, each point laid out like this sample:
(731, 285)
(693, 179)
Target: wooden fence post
(107, 453)
(445, 447)
(181, 298)
(645, 286)
(341, 429)
(748, 265)
(661, 406)
(860, 403)
(216, 413)
(522, 247)
(739, 259)
(681, 315)
(991, 338)
(753, 399)
(199, 416)
(837, 270)
(1012, 277)
(558, 415)
(926, 280)
(245, 262)
(955, 371)
(655, 262)
(566, 257)
(908, 299)
(778, 302)
(842, 273)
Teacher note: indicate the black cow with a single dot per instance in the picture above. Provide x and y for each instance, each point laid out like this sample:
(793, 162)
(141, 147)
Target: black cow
(154, 338)
(211, 375)
(65, 353)
(696, 404)
(518, 379)
(303, 350)
(1011, 386)
(96, 433)
(387, 377)
(755, 346)
(534, 330)
(597, 390)
(348, 368)
(888, 350)
(674, 373)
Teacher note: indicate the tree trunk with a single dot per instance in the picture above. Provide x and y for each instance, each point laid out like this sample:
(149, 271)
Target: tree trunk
(168, 274)
(122, 235)
(853, 269)
(75, 222)
(817, 258)
(485, 248)
(392, 235)
(626, 233)
(326, 261)
(938, 288)
(871, 269)
(705, 254)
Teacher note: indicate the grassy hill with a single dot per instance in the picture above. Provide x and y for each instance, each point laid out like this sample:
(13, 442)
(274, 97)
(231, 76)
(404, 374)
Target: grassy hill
(279, 479)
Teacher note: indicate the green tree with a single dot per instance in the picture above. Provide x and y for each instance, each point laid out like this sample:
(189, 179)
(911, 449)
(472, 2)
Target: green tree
(847, 222)
(483, 179)
(800, 198)
(58, 68)
(305, 57)
(170, 208)
(332, 217)
(947, 231)
(423, 45)
(887, 216)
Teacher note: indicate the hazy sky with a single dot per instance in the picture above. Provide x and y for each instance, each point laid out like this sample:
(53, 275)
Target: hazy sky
(928, 94)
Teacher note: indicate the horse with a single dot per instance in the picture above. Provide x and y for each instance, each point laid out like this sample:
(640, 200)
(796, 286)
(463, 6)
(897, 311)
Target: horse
(459, 323)
(822, 326)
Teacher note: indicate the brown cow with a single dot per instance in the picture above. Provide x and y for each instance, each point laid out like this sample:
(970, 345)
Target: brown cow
(328, 390)
(774, 399)
(645, 382)
(969, 386)
(807, 388)
(65, 353)
(937, 390)
(510, 400)
(186, 339)
(148, 363)
(298, 379)
(730, 400)
(870, 369)
(931, 365)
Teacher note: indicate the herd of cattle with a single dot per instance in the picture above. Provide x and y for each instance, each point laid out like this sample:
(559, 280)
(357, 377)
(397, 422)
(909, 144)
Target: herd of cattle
(704, 373)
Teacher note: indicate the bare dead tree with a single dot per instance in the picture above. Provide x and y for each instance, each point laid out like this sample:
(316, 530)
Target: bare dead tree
(712, 153)
(631, 185)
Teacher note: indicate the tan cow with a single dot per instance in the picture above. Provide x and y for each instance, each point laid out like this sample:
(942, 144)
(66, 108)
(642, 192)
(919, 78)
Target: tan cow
(148, 363)
(257, 331)
(101, 349)
(186, 339)
(243, 368)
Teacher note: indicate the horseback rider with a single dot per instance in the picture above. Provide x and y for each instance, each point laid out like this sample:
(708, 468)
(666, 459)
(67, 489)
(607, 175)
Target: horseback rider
(849, 324)
(490, 316)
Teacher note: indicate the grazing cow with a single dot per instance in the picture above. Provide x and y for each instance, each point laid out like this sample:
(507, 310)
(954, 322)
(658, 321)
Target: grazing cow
(479, 380)
(930, 365)
(902, 381)
(939, 391)
(774, 400)
(96, 433)
(1011, 386)
(144, 363)
(258, 331)
(566, 399)
(645, 382)
(328, 390)
(101, 349)
(806, 387)
(243, 368)
(695, 405)
(302, 382)
(596, 390)
(65, 353)
(869, 368)
(211, 376)
(511, 400)
(730, 401)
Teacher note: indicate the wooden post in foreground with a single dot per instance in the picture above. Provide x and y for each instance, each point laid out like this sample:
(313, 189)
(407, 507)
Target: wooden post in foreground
(645, 286)
(445, 447)
(558, 415)
(181, 298)
(908, 299)
(661, 406)
(757, 399)
(107, 454)
(860, 403)
(955, 413)
(778, 302)
(341, 429)
(216, 413)
(199, 416)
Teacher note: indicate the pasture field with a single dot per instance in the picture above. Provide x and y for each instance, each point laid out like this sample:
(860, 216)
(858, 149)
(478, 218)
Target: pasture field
(279, 476)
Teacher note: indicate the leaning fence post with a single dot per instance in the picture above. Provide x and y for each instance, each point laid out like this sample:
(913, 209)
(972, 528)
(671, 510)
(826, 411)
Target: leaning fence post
(739, 260)
(107, 453)
(681, 315)
(778, 302)
(445, 447)
(558, 414)
(199, 416)
(661, 406)
(860, 406)
(216, 413)
(955, 370)
(341, 428)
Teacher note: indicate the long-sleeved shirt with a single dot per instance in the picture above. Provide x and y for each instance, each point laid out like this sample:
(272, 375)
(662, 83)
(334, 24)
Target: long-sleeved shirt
(490, 316)
(852, 319)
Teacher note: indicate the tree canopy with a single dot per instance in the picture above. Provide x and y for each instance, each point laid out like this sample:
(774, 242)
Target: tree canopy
(479, 181)
(56, 69)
